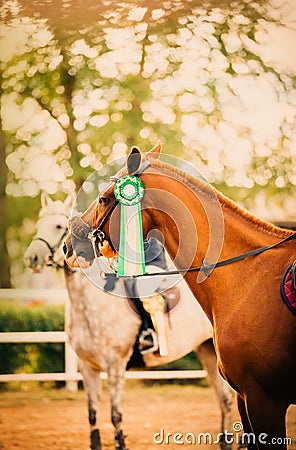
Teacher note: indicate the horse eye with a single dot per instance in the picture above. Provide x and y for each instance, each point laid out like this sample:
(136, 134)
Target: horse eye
(59, 227)
(104, 201)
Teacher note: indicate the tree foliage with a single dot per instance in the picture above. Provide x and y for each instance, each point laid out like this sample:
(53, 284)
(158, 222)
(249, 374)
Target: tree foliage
(84, 81)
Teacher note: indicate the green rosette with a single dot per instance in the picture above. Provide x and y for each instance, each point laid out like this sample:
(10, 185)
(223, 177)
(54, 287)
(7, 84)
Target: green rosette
(129, 191)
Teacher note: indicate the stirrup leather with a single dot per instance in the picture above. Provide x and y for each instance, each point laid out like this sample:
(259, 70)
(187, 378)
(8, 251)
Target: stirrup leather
(154, 305)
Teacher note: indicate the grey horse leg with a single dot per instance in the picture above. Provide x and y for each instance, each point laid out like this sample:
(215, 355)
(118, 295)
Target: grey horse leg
(224, 392)
(116, 382)
(92, 383)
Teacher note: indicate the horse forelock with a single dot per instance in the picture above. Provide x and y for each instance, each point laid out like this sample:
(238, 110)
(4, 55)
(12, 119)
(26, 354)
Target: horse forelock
(210, 192)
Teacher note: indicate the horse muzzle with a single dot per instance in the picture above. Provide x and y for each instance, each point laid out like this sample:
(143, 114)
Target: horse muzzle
(34, 257)
(78, 253)
(33, 263)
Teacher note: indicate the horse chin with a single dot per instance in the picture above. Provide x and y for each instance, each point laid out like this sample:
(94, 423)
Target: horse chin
(83, 263)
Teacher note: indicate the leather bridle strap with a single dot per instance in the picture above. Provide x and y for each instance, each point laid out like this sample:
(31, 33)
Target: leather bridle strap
(52, 249)
(97, 233)
(208, 267)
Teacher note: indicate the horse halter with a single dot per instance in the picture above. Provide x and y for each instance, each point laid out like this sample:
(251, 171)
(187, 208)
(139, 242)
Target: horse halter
(52, 249)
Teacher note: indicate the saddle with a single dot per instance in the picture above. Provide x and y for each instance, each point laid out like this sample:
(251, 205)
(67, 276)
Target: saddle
(288, 287)
(152, 310)
(171, 295)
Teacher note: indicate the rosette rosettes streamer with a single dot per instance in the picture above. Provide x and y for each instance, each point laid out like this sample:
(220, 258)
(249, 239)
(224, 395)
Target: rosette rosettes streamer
(129, 191)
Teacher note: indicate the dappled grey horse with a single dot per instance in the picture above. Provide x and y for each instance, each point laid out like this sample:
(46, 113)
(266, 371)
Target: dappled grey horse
(103, 328)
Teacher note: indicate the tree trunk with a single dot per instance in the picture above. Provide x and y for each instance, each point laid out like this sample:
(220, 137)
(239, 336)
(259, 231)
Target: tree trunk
(4, 257)
(68, 82)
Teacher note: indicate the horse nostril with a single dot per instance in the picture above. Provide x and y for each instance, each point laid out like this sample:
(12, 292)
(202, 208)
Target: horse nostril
(65, 249)
(35, 259)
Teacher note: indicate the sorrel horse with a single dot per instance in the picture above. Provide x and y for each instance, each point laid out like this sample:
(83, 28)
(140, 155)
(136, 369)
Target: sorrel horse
(103, 328)
(254, 331)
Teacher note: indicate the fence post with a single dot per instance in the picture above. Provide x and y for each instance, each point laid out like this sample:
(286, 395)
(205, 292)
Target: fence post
(71, 361)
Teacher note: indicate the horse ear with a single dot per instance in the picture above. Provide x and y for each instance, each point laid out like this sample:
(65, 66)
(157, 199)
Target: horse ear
(70, 200)
(134, 161)
(45, 200)
(155, 151)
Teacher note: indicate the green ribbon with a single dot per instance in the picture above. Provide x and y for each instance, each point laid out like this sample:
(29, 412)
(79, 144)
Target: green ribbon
(129, 191)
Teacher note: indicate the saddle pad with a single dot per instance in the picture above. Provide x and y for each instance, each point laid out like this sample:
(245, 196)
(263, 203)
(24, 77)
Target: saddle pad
(287, 290)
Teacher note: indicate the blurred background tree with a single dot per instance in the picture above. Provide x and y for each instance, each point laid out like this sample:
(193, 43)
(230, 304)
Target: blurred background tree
(83, 81)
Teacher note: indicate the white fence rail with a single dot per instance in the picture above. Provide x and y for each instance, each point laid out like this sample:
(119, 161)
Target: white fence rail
(71, 374)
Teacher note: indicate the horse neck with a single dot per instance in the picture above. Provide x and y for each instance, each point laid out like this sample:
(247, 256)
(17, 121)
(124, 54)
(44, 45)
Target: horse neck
(199, 223)
(188, 218)
(190, 208)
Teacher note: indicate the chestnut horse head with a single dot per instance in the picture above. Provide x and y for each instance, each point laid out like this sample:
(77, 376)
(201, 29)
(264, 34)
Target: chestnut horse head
(103, 217)
(255, 333)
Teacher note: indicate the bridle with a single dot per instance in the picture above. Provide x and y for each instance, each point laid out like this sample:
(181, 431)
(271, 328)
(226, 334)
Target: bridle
(53, 249)
(97, 235)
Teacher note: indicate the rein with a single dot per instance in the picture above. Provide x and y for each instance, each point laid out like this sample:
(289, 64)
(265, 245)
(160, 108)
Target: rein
(208, 267)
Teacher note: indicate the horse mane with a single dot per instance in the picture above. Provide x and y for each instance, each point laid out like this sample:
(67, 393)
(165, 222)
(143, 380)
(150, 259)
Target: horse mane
(198, 184)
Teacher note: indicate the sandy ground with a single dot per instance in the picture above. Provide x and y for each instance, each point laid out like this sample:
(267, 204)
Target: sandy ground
(50, 419)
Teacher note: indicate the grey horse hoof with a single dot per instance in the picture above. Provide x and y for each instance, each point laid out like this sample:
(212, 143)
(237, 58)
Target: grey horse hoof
(119, 441)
